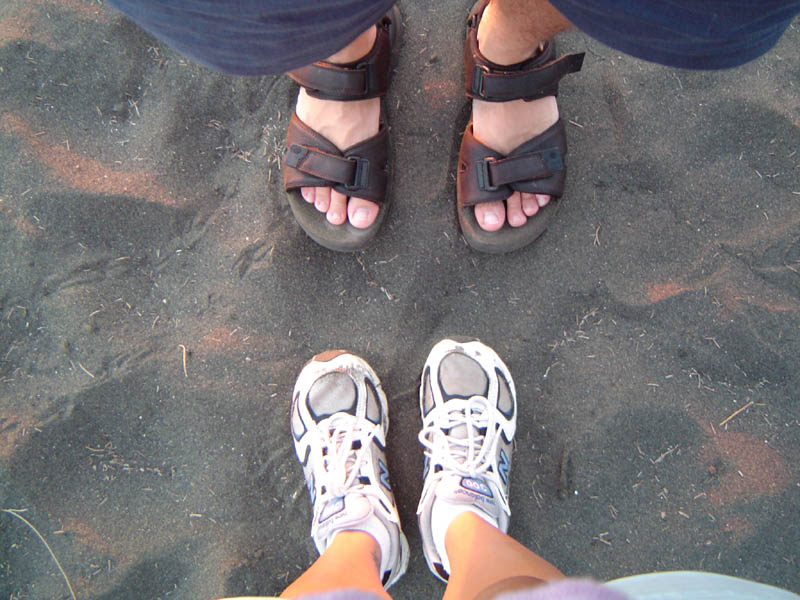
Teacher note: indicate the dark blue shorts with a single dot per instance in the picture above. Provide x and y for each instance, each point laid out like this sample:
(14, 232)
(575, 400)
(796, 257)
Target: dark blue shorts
(690, 34)
(255, 37)
(262, 37)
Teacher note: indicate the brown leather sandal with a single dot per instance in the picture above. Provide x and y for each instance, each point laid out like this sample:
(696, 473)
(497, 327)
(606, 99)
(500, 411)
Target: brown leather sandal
(360, 170)
(536, 166)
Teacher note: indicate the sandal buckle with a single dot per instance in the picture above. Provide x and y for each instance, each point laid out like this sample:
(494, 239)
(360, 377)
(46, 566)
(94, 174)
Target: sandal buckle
(360, 174)
(484, 177)
(367, 71)
(476, 85)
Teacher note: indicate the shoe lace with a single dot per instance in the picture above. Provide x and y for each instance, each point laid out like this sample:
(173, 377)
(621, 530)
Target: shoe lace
(461, 436)
(344, 441)
(470, 453)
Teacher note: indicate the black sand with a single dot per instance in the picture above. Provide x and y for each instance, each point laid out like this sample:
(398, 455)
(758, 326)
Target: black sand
(141, 215)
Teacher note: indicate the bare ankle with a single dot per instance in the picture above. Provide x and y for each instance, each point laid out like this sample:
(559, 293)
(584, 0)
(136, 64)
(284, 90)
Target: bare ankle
(500, 43)
(511, 31)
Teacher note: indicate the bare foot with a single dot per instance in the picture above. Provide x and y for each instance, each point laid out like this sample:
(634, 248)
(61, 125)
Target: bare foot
(344, 124)
(503, 126)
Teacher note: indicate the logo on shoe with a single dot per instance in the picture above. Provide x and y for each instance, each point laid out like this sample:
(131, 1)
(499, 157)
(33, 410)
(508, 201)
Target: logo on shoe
(334, 507)
(477, 486)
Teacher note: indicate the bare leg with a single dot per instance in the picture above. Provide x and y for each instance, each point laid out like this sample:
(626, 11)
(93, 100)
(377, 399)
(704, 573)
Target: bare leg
(510, 32)
(472, 577)
(352, 561)
(344, 124)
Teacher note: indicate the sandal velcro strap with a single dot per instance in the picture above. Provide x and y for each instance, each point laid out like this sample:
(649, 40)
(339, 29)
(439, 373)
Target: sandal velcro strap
(533, 82)
(313, 161)
(535, 167)
(366, 78)
(492, 172)
(351, 172)
(534, 78)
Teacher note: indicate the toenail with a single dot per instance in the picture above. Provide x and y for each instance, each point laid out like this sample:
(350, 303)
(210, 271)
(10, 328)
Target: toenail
(334, 216)
(515, 220)
(361, 215)
(490, 218)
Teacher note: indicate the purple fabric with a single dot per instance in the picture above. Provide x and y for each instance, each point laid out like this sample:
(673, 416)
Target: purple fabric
(342, 595)
(567, 589)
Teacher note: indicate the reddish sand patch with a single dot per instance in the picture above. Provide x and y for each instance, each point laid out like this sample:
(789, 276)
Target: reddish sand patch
(89, 11)
(19, 221)
(24, 26)
(731, 288)
(86, 174)
(656, 292)
(13, 427)
(739, 528)
(733, 285)
(112, 560)
(89, 537)
(223, 338)
(752, 468)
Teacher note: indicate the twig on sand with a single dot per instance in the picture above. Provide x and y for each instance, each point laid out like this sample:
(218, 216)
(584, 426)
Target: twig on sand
(85, 370)
(15, 513)
(665, 454)
(736, 412)
(600, 537)
(183, 350)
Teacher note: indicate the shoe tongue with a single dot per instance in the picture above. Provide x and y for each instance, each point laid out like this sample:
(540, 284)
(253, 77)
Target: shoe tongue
(461, 432)
(458, 490)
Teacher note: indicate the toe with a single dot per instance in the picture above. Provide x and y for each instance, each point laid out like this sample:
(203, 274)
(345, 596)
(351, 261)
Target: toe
(337, 213)
(322, 198)
(490, 215)
(530, 206)
(308, 194)
(362, 213)
(542, 199)
(516, 218)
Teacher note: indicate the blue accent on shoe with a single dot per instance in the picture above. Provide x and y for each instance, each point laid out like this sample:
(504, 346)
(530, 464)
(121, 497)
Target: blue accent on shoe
(312, 491)
(384, 475)
(502, 468)
(477, 486)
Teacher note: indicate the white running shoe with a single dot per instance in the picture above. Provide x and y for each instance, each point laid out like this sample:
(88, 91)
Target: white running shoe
(469, 416)
(339, 424)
